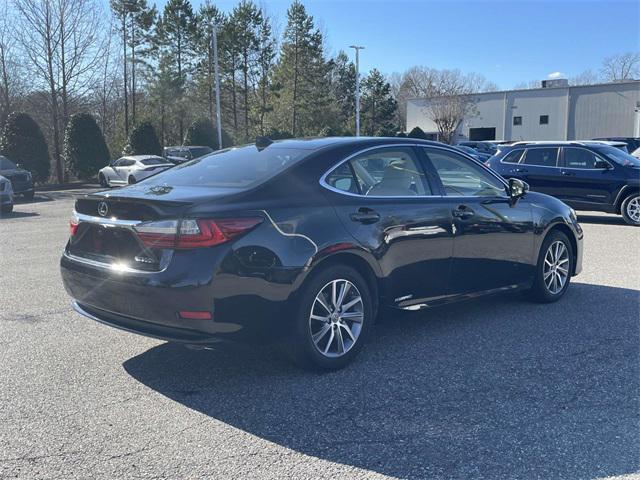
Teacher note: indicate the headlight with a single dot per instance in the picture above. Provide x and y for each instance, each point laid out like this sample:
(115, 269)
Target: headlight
(573, 216)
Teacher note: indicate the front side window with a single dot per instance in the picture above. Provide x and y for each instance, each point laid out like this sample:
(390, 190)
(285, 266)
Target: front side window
(543, 157)
(463, 177)
(581, 158)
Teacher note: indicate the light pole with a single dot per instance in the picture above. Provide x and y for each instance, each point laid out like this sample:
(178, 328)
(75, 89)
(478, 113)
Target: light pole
(357, 49)
(214, 41)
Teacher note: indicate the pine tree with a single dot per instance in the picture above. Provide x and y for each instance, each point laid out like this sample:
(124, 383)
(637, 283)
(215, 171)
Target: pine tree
(265, 62)
(203, 133)
(343, 82)
(417, 132)
(302, 76)
(246, 18)
(22, 141)
(85, 150)
(176, 32)
(378, 106)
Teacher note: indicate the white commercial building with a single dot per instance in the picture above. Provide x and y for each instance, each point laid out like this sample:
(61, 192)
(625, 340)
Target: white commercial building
(554, 112)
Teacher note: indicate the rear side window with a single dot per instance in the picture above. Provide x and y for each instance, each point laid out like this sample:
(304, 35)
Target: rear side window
(543, 157)
(386, 172)
(242, 167)
(342, 179)
(513, 157)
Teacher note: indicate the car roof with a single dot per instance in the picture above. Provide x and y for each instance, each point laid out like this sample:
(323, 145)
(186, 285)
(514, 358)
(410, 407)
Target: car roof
(323, 142)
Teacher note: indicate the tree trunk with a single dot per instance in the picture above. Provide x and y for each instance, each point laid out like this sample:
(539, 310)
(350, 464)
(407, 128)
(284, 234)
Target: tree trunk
(245, 72)
(133, 69)
(295, 87)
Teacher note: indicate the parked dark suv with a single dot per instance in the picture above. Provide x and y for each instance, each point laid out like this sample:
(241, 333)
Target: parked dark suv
(21, 180)
(584, 175)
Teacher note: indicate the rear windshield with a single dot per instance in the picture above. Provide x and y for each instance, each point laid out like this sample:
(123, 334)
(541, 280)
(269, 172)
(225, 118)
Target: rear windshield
(618, 156)
(200, 151)
(152, 161)
(6, 164)
(242, 167)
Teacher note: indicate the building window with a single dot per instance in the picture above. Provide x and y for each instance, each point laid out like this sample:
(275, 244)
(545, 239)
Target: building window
(517, 120)
(544, 119)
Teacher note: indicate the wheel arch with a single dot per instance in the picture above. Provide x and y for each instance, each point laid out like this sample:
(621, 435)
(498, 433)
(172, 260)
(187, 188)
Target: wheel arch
(566, 230)
(623, 195)
(357, 262)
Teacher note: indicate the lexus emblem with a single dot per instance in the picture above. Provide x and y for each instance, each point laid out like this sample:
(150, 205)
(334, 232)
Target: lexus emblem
(103, 209)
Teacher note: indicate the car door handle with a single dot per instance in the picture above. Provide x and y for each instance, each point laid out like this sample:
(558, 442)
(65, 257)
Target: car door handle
(365, 216)
(567, 173)
(462, 212)
(518, 170)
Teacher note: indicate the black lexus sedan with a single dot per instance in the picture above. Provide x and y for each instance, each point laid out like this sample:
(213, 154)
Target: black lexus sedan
(303, 241)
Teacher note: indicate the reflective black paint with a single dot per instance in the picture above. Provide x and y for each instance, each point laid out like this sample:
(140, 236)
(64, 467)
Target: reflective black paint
(416, 253)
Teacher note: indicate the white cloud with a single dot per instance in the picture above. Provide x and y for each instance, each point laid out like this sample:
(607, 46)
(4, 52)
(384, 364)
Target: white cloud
(556, 75)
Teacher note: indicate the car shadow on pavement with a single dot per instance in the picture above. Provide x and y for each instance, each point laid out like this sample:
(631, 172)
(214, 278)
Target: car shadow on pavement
(495, 388)
(603, 220)
(16, 214)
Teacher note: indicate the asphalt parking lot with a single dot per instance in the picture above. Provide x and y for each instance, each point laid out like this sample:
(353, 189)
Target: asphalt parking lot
(497, 388)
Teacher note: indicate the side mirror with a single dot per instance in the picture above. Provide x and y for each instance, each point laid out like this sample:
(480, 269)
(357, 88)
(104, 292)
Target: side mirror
(517, 188)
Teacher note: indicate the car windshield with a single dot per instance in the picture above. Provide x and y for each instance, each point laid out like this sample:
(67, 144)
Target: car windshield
(242, 167)
(152, 161)
(6, 164)
(618, 156)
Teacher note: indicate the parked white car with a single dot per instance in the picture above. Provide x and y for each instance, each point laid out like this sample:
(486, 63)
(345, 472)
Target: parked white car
(636, 152)
(6, 195)
(131, 169)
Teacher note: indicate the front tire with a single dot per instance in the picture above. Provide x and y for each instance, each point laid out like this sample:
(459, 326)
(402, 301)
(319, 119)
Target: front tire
(131, 180)
(6, 209)
(631, 209)
(103, 181)
(333, 319)
(554, 268)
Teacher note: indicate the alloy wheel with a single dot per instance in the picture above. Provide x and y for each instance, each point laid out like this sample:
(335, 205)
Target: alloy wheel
(336, 317)
(556, 267)
(633, 209)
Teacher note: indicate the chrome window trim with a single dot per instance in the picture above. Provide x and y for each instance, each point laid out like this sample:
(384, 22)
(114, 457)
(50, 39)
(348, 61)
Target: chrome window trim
(323, 179)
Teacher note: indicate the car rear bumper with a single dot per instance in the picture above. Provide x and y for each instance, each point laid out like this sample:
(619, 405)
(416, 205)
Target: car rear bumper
(147, 303)
(148, 329)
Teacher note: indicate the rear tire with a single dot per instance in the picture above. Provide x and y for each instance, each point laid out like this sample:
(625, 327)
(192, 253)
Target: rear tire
(324, 337)
(631, 209)
(103, 181)
(6, 209)
(554, 268)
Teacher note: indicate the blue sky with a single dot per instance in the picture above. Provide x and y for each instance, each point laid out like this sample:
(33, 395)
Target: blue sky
(507, 42)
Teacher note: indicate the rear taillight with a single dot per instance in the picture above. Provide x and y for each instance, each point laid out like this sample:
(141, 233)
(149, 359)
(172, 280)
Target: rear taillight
(73, 225)
(193, 233)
